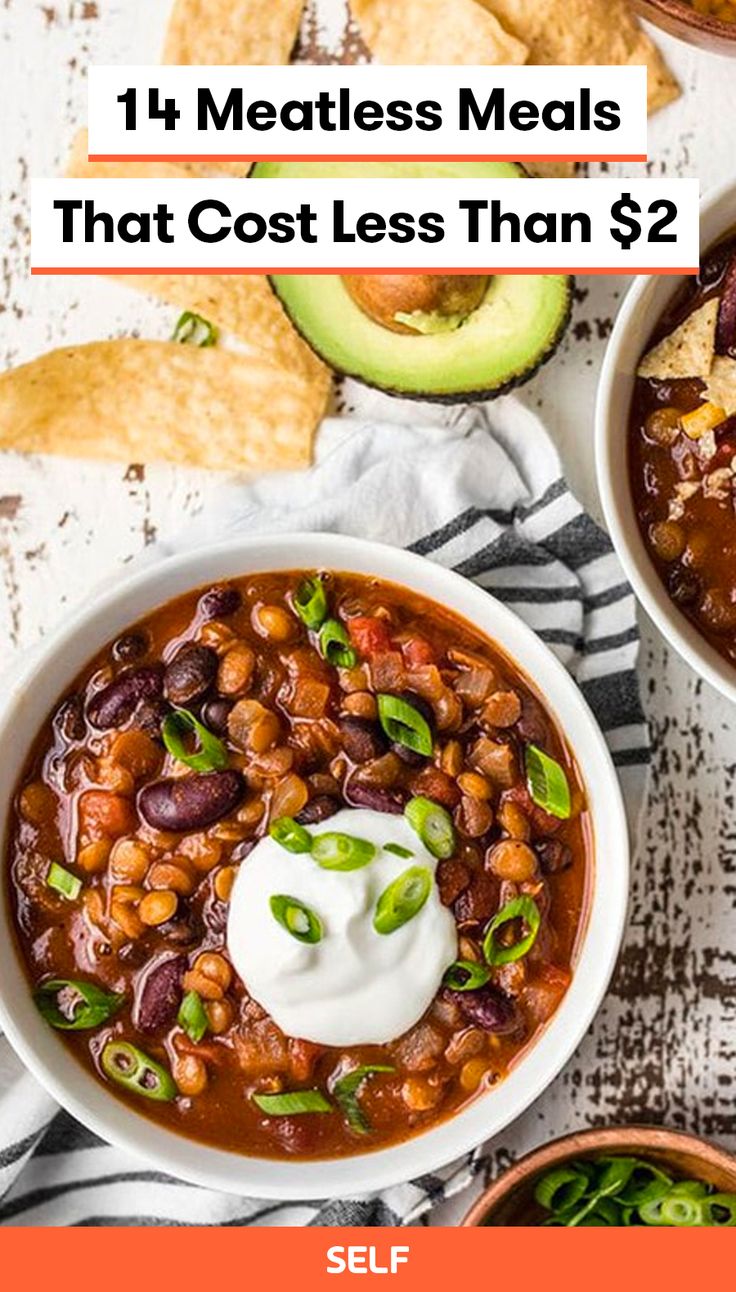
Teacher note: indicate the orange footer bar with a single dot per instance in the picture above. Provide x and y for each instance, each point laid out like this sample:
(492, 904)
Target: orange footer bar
(412, 1260)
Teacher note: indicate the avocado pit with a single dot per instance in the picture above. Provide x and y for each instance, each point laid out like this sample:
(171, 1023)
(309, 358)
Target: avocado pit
(417, 304)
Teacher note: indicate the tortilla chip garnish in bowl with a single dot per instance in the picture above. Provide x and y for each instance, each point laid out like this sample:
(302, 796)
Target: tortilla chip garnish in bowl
(148, 401)
(687, 351)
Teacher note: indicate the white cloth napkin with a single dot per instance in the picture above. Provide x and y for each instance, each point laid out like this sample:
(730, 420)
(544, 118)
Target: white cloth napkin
(484, 496)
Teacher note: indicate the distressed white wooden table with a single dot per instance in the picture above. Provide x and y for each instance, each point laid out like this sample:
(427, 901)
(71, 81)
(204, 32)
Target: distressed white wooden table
(664, 1044)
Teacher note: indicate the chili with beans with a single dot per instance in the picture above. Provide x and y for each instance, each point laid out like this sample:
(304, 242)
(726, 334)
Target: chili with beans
(682, 461)
(270, 703)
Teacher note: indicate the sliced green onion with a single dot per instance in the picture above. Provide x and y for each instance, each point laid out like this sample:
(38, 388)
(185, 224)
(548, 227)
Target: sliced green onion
(683, 1212)
(63, 881)
(299, 920)
(721, 1210)
(614, 1175)
(433, 824)
(210, 754)
(561, 1188)
(346, 1091)
(403, 899)
(404, 724)
(310, 603)
(466, 975)
(547, 782)
(334, 645)
(587, 1193)
(192, 329)
(335, 851)
(397, 850)
(134, 1070)
(74, 1006)
(292, 1103)
(647, 1183)
(192, 1016)
(290, 834)
(519, 908)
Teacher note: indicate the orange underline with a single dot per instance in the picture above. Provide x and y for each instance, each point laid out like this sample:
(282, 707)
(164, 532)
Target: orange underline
(373, 157)
(360, 269)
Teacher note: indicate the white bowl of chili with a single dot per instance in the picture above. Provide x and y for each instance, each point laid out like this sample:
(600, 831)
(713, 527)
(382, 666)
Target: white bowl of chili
(459, 608)
(649, 300)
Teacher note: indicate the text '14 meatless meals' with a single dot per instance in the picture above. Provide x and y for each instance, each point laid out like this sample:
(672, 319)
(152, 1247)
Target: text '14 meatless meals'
(299, 865)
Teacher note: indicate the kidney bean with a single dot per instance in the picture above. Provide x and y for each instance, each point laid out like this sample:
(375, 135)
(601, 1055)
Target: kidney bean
(368, 796)
(215, 714)
(116, 702)
(69, 718)
(158, 994)
(219, 602)
(181, 932)
(318, 809)
(149, 716)
(129, 647)
(190, 674)
(408, 756)
(191, 802)
(362, 739)
(478, 900)
(685, 586)
(554, 856)
(487, 1007)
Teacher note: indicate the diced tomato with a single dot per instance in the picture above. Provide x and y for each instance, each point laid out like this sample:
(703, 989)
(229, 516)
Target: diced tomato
(433, 783)
(105, 816)
(369, 635)
(303, 1056)
(417, 652)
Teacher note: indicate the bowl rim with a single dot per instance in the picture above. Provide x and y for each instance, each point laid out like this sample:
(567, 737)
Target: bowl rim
(95, 623)
(683, 13)
(640, 1136)
(618, 510)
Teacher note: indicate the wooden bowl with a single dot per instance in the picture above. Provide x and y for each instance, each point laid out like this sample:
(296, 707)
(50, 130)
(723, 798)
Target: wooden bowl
(509, 1200)
(679, 19)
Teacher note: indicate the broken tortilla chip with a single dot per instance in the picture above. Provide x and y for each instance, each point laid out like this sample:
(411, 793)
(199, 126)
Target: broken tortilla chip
(584, 32)
(435, 31)
(223, 32)
(720, 388)
(245, 305)
(551, 169)
(241, 304)
(686, 352)
(79, 166)
(147, 401)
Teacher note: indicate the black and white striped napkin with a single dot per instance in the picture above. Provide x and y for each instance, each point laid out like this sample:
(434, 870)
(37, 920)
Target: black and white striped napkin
(484, 496)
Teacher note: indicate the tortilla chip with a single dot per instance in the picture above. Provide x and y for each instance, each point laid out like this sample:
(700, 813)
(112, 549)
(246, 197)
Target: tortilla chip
(245, 305)
(233, 33)
(686, 352)
(435, 31)
(147, 401)
(720, 387)
(242, 304)
(551, 169)
(78, 166)
(584, 32)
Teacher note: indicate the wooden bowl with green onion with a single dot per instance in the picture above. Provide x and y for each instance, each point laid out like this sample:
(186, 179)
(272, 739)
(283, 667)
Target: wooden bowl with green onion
(568, 1173)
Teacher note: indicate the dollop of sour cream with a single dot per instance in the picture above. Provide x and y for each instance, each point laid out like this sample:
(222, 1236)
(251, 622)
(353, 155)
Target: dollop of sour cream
(355, 986)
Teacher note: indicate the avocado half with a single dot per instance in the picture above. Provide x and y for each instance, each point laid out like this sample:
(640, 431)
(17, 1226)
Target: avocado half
(500, 344)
